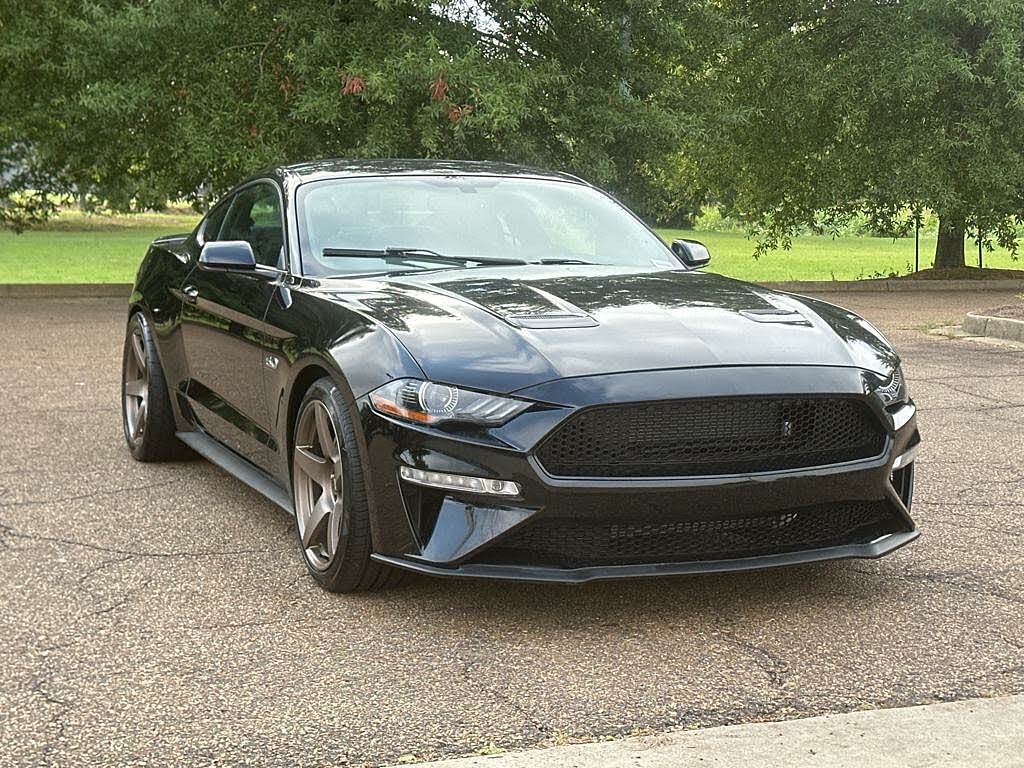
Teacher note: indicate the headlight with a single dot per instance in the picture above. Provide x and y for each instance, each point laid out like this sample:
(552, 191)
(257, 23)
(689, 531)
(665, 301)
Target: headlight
(894, 390)
(428, 403)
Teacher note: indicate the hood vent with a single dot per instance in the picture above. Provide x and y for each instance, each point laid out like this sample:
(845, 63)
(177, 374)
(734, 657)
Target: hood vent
(552, 320)
(787, 316)
(563, 314)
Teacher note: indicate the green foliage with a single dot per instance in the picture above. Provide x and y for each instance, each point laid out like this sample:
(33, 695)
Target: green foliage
(139, 102)
(672, 199)
(712, 219)
(715, 218)
(873, 109)
(828, 117)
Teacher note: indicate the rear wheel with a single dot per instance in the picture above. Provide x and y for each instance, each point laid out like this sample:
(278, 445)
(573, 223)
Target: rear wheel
(146, 413)
(329, 493)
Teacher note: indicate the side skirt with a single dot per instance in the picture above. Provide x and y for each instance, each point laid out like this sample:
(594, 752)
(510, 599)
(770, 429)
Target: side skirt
(235, 465)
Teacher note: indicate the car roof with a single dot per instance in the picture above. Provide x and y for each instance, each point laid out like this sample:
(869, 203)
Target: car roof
(314, 170)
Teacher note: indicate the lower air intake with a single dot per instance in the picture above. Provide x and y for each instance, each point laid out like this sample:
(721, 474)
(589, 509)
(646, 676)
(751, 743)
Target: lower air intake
(580, 543)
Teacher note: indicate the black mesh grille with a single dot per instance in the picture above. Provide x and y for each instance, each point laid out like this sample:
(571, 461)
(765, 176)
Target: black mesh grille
(718, 436)
(576, 543)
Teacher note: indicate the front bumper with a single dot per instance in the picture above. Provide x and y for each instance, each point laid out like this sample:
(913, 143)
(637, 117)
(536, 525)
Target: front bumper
(459, 533)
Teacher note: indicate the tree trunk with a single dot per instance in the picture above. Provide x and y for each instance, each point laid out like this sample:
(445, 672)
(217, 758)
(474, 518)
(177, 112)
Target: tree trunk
(949, 249)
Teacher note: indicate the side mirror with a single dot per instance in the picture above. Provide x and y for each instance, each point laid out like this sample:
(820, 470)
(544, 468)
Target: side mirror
(227, 255)
(693, 254)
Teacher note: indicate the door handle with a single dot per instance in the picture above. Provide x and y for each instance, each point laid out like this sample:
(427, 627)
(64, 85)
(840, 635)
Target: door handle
(191, 293)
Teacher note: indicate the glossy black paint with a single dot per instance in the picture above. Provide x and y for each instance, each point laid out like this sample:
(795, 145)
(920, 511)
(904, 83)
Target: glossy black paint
(239, 348)
(636, 320)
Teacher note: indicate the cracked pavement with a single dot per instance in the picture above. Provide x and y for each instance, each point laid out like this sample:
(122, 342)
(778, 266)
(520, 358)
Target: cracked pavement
(161, 613)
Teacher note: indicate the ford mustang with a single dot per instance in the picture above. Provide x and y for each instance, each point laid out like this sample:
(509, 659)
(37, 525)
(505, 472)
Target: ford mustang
(479, 369)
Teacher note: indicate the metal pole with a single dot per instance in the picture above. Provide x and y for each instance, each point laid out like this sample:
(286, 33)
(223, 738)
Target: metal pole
(979, 248)
(917, 241)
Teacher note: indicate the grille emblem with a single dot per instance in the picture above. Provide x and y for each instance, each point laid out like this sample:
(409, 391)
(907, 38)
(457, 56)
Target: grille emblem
(787, 428)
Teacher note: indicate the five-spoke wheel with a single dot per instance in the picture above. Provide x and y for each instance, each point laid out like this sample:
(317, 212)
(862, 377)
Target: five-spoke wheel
(136, 384)
(146, 413)
(332, 512)
(319, 484)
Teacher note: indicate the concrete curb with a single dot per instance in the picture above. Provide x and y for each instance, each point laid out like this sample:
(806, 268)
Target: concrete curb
(997, 327)
(122, 290)
(981, 733)
(65, 290)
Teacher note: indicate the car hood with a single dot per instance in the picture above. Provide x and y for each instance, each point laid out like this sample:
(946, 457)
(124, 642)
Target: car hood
(505, 328)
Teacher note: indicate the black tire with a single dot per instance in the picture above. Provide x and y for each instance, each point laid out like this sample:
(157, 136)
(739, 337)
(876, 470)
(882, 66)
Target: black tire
(349, 567)
(152, 438)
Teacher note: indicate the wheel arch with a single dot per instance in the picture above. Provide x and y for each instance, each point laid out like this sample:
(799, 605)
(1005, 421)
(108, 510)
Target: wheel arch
(307, 374)
(371, 352)
(137, 303)
(303, 380)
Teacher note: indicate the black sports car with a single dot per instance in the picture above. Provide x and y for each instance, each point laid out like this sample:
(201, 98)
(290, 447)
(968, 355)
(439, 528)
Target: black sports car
(478, 369)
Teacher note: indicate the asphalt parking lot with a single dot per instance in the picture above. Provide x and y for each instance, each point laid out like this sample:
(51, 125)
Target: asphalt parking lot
(161, 613)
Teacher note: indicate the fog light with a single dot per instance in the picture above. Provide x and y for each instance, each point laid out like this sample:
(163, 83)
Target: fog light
(458, 482)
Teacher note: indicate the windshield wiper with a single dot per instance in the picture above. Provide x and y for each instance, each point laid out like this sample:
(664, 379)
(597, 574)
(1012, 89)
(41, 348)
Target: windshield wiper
(562, 261)
(392, 254)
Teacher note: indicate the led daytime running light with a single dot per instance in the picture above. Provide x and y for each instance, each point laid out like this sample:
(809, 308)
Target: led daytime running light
(459, 482)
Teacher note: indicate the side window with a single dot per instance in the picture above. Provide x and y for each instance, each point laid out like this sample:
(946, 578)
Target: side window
(254, 215)
(214, 220)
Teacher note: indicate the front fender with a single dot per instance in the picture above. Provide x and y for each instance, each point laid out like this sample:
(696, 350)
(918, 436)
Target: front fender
(162, 270)
(313, 337)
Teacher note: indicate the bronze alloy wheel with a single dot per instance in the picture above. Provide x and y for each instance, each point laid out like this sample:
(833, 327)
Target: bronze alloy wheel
(146, 413)
(319, 485)
(136, 386)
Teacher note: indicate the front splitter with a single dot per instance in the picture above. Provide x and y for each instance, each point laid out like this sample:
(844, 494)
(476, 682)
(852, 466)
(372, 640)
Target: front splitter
(877, 548)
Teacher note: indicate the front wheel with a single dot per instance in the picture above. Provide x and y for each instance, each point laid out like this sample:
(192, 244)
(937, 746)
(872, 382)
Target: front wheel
(329, 493)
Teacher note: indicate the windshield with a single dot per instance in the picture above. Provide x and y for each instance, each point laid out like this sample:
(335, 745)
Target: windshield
(342, 222)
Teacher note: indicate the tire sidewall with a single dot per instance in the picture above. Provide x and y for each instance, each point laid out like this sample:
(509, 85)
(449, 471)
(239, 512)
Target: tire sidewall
(158, 441)
(353, 545)
(138, 320)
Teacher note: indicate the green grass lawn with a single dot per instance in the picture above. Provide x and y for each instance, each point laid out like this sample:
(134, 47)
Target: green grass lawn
(77, 248)
(815, 257)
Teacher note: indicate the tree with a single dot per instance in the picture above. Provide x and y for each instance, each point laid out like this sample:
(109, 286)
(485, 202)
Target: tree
(136, 103)
(875, 107)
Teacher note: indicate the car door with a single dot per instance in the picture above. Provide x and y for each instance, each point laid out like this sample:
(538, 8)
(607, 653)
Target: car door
(222, 325)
